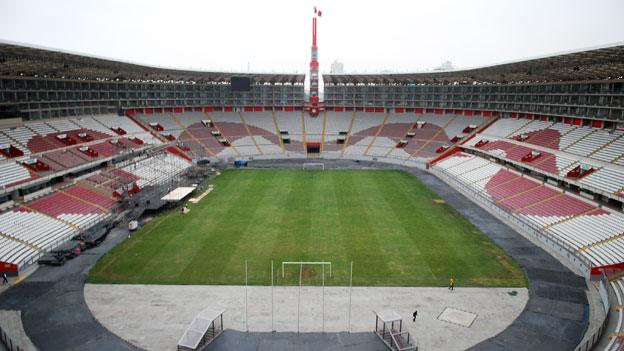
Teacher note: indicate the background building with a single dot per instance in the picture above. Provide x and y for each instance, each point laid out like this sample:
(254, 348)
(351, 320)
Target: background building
(337, 67)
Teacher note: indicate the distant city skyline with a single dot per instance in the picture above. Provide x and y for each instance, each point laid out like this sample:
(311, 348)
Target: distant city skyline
(337, 67)
(275, 36)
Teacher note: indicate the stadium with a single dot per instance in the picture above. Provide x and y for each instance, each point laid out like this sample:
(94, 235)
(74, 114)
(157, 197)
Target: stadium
(153, 208)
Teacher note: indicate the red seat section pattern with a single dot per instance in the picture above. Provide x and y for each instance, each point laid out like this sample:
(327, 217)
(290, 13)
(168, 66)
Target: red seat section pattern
(59, 203)
(90, 196)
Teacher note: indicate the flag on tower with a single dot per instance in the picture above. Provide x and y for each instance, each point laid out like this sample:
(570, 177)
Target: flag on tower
(314, 9)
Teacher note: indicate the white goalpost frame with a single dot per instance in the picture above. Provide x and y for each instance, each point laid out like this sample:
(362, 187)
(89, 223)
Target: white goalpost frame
(313, 165)
(301, 263)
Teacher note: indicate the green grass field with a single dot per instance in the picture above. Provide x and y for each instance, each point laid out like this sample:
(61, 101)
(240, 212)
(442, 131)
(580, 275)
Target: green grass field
(387, 222)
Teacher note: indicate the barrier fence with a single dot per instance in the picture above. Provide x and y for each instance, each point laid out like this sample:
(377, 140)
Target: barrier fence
(560, 247)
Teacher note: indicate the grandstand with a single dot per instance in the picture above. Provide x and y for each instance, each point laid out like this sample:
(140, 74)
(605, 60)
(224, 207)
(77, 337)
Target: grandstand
(538, 143)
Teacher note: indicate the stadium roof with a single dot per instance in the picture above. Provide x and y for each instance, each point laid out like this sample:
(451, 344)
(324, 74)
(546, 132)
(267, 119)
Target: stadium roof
(591, 64)
(20, 60)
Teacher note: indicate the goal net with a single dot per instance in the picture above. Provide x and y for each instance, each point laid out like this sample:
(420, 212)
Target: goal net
(320, 166)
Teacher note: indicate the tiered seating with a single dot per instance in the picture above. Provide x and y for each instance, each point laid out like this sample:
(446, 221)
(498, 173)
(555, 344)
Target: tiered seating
(459, 123)
(505, 126)
(612, 151)
(482, 171)
(313, 128)
(113, 121)
(60, 203)
(547, 138)
(6, 140)
(573, 136)
(63, 125)
(16, 252)
(64, 159)
(91, 196)
(40, 143)
(110, 181)
(562, 128)
(358, 143)
(335, 122)
(533, 126)
(261, 120)
(245, 146)
(363, 131)
(439, 120)
(77, 205)
(199, 139)
(41, 128)
(165, 120)
(591, 143)
(508, 150)
(98, 178)
(594, 232)
(366, 124)
(189, 118)
(431, 136)
(230, 125)
(92, 124)
(41, 137)
(35, 229)
(607, 180)
(290, 122)
(393, 131)
(262, 128)
(233, 130)
(520, 185)
(45, 223)
(20, 134)
(587, 231)
(529, 197)
(121, 175)
(157, 169)
(602, 145)
(106, 149)
(11, 173)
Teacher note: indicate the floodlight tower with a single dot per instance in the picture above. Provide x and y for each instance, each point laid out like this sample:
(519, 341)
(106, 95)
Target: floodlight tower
(313, 105)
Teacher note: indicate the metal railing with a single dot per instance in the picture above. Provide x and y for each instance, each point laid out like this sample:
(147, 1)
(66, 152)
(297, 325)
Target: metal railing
(564, 249)
(592, 338)
(582, 263)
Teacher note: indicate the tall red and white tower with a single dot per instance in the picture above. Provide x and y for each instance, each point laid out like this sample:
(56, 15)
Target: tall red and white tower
(313, 105)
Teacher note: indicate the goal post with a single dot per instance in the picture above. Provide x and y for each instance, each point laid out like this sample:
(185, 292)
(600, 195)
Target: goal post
(313, 165)
(305, 263)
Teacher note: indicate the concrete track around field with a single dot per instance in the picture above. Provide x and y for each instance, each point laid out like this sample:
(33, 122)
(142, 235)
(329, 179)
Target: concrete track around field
(56, 317)
(557, 314)
(155, 316)
(54, 313)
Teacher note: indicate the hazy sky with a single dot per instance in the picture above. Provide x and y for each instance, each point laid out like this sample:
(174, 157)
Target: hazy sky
(366, 36)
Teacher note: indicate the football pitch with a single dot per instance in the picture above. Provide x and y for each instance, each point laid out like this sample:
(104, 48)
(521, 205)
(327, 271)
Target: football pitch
(391, 226)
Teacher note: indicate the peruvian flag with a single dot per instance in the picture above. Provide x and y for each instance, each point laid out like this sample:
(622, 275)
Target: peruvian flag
(319, 13)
